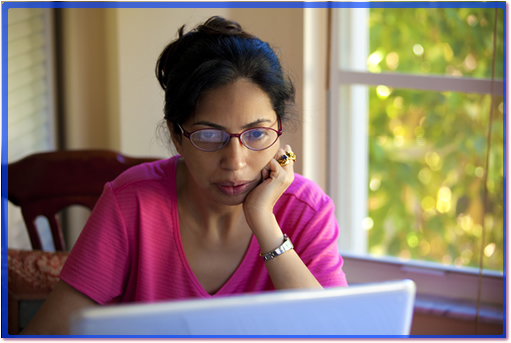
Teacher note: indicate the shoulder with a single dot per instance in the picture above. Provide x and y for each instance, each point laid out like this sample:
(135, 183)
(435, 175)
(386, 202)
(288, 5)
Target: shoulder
(144, 174)
(305, 191)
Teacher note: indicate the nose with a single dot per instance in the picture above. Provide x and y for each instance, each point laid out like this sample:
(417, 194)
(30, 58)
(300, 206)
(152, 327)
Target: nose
(234, 155)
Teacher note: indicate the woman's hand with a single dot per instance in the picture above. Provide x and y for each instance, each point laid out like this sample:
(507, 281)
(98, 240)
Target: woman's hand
(258, 205)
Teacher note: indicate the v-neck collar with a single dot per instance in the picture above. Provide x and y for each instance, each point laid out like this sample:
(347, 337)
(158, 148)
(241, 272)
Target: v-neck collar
(179, 244)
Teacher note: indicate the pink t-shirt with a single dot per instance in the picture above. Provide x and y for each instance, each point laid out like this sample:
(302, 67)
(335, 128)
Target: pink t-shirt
(130, 249)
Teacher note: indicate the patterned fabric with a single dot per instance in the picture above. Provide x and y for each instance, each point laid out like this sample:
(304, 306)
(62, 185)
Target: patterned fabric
(130, 249)
(34, 272)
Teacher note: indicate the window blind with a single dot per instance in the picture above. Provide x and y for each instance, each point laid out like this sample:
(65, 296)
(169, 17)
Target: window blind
(31, 118)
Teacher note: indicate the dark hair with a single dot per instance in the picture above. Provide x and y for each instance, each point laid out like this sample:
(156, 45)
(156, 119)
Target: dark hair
(215, 54)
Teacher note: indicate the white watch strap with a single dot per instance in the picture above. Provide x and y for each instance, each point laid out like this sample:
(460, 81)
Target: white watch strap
(285, 246)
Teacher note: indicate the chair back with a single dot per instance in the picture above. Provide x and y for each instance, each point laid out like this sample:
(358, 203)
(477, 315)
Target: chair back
(43, 184)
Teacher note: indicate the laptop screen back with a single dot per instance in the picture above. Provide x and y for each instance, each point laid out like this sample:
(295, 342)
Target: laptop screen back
(371, 309)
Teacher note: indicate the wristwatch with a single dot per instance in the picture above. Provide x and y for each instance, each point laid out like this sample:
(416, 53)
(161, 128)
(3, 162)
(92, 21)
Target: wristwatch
(285, 246)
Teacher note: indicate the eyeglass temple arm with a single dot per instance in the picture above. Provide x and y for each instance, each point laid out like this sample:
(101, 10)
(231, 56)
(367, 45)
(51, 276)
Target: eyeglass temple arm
(183, 132)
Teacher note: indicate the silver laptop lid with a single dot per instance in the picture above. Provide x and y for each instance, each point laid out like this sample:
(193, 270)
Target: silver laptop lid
(381, 309)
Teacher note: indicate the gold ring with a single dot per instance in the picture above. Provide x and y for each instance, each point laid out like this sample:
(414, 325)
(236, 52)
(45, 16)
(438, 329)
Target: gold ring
(287, 158)
(291, 155)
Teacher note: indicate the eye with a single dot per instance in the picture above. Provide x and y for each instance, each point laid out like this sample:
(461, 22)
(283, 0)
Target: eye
(256, 134)
(208, 136)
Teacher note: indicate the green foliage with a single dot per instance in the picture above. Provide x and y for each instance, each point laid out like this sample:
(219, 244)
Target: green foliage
(428, 149)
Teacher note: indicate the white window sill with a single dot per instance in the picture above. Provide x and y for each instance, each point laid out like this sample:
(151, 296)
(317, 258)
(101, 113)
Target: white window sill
(456, 285)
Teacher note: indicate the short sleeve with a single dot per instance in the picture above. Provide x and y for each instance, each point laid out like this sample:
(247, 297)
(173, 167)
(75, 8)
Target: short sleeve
(307, 215)
(98, 263)
(318, 248)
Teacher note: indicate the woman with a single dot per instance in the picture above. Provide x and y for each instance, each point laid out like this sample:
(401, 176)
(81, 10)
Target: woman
(221, 217)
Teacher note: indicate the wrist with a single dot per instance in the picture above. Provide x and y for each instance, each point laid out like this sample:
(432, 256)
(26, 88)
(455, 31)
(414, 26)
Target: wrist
(267, 232)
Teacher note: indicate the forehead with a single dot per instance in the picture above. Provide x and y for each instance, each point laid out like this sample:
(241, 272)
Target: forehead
(237, 103)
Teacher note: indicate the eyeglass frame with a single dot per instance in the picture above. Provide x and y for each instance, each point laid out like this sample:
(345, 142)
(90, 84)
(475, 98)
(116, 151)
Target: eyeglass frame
(237, 135)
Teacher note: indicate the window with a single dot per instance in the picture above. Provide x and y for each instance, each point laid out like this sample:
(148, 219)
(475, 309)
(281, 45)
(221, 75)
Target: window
(31, 114)
(410, 101)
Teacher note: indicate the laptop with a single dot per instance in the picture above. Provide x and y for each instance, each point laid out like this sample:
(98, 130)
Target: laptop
(382, 309)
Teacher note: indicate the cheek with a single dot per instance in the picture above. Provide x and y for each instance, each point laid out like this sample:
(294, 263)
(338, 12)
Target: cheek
(267, 155)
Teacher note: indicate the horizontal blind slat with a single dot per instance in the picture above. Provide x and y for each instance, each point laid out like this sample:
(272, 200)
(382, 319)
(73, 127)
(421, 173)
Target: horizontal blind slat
(27, 109)
(27, 77)
(26, 126)
(22, 14)
(26, 60)
(37, 141)
(26, 44)
(25, 28)
(27, 93)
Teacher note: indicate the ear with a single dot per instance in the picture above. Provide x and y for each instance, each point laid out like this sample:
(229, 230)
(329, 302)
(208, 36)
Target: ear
(176, 140)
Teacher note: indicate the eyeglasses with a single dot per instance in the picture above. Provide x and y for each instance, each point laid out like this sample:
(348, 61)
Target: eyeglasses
(257, 138)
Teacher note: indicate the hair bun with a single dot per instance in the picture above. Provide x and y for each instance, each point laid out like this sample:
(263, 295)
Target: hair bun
(220, 26)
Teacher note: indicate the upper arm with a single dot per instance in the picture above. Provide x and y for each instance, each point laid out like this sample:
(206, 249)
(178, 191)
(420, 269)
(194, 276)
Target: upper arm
(53, 316)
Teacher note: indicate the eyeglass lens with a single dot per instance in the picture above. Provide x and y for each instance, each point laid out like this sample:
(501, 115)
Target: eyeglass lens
(254, 139)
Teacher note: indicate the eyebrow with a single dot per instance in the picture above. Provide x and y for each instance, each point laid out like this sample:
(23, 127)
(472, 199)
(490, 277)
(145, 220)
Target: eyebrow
(216, 126)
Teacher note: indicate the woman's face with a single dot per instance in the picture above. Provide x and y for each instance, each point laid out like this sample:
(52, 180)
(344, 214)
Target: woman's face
(228, 175)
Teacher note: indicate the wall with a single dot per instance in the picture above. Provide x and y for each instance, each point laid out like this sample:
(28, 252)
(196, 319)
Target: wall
(84, 96)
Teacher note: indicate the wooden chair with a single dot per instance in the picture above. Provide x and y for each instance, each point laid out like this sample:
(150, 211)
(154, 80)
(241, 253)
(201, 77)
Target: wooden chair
(44, 184)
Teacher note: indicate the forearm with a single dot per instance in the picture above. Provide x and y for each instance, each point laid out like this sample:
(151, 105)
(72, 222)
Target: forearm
(53, 316)
(286, 270)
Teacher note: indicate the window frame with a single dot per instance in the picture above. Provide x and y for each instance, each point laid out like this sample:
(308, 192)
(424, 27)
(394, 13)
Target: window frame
(347, 171)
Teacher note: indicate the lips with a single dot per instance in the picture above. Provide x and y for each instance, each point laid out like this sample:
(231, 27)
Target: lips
(233, 188)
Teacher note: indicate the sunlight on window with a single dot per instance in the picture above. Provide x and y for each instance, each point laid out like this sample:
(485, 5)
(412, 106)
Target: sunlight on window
(383, 91)
(375, 184)
(433, 160)
(479, 172)
(418, 49)
(472, 20)
(443, 204)
(465, 222)
(398, 102)
(489, 250)
(405, 255)
(377, 250)
(392, 60)
(428, 203)
(367, 223)
(373, 61)
(470, 63)
(448, 54)
(412, 239)
(380, 140)
(447, 259)
(399, 141)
